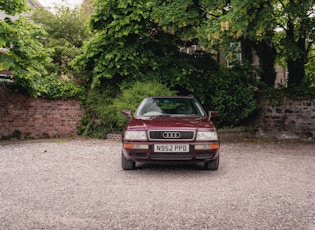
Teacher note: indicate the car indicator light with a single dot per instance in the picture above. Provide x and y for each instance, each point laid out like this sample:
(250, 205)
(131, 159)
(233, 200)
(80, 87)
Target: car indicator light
(128, 146)
(214, 146)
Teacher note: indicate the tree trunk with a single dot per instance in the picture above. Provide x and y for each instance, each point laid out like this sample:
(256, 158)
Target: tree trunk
(296, 57)
(296, 70)
(267, 55)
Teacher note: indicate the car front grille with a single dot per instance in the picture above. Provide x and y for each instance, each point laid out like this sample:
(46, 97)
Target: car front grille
(171, 135)
(171, 156)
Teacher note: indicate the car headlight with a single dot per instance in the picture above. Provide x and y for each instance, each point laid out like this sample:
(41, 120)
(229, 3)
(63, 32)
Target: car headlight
(207, 136)
(135, 135)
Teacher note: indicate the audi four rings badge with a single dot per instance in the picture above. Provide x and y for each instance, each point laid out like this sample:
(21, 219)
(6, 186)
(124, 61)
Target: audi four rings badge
(171, 135)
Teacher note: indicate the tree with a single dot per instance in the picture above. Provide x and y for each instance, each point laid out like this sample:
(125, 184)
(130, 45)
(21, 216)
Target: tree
(215, 25)
(126, 42)
(27, 56)
(129, 43)
(258, 21)
(248, 22)
(132, 43)
(297, 21)
(257, 27)
(255, 23)
(66, 31)
(129, 47)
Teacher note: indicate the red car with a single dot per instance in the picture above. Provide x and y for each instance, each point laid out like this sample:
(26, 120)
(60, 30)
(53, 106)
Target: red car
(174, 128)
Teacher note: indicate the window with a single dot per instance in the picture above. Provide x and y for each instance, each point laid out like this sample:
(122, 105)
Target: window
(236, 49)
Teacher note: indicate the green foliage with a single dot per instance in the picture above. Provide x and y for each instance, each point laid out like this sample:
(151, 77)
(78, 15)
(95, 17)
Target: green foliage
(104, 107)
(231, 22)
(138, 41)
(189, 74)
(130, 47)
(58, 35)
(54, 87)
(297, 21)
(51, 87)
(27, 56)
(310, 68)
(66, 32)
(126, 43)
(286, 27)
(233, 95)
(132, 95)
(216, 24)
(181, 17)
(13, 7)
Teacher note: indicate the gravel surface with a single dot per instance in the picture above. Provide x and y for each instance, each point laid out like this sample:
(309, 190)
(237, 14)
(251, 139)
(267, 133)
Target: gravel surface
(79, 184)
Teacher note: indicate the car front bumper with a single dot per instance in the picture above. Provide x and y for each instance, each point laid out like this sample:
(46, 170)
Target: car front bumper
(145, 151)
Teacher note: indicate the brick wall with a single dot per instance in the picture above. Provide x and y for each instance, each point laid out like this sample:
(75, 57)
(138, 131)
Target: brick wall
(290, 120)
(37, 117)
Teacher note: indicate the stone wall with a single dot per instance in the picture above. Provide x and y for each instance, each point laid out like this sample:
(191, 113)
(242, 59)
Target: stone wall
(37, 117)
(290, 120)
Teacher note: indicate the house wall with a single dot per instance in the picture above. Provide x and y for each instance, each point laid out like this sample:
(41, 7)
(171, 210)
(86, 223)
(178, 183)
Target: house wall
(37, 117)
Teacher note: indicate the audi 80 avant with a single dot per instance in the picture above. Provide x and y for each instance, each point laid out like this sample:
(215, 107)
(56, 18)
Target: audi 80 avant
(174, 128)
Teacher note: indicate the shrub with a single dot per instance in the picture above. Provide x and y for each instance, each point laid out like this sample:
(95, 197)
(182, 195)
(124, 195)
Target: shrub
(233, 95)
(104, 106)
(96, 103)
(54, 87)
(132, 95)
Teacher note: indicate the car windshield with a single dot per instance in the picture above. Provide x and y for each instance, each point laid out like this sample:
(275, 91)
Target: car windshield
(170, 107)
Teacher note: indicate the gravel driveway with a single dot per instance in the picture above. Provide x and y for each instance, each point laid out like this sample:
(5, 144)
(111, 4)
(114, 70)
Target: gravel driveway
(79, 184)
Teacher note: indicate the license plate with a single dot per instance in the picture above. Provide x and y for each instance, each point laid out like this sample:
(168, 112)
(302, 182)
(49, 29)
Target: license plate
(171, 148)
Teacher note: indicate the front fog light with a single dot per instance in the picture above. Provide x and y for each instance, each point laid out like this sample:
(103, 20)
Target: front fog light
(139, 146)
(202, 147)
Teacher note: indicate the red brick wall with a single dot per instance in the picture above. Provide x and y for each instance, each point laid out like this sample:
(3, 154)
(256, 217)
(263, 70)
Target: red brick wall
(37, 117)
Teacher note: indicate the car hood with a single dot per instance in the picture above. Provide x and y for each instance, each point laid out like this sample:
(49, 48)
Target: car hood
(160, 123)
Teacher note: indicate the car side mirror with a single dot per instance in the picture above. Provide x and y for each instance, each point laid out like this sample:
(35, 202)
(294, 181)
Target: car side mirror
(212, 114)
(127, 113)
